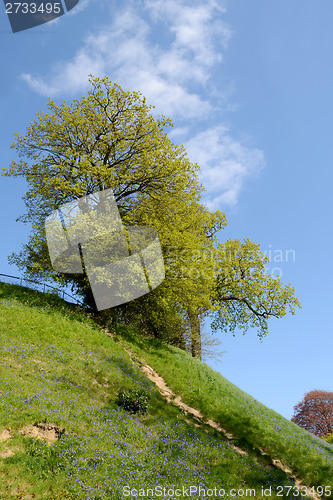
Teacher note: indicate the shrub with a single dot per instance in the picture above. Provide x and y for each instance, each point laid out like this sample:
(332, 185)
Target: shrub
(133, 400)
(329, 438)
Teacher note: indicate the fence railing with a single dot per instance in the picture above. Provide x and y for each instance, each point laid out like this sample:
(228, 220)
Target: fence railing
(34, 284)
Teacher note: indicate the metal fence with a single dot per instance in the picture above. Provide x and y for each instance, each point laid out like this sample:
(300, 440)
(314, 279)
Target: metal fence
(37, 285)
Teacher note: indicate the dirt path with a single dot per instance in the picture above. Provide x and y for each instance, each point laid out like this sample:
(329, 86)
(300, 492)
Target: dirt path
(177, 400)
(171, 398)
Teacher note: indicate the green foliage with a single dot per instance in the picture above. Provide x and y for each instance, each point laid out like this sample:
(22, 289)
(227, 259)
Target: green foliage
(133, 400)
(245, 296)
(110, 139)
(329, 438)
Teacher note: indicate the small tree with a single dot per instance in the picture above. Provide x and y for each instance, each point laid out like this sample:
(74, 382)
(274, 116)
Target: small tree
(244, 295)
(315, 413)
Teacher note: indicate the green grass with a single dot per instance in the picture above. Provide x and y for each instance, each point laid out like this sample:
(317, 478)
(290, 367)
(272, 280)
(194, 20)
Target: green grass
(255, 426)
(58, 366)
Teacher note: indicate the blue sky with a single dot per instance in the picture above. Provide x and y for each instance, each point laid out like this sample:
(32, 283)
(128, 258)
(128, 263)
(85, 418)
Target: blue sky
(249, 88)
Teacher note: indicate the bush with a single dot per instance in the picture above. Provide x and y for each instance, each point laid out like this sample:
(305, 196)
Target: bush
(133, 400)
(329, 438)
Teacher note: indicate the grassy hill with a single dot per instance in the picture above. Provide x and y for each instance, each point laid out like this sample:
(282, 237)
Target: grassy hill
(60, 370)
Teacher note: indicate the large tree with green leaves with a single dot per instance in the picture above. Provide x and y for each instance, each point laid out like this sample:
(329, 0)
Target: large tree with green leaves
(110, 139)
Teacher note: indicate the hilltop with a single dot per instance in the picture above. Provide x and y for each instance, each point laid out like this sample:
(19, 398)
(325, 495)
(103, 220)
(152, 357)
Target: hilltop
(60, 376)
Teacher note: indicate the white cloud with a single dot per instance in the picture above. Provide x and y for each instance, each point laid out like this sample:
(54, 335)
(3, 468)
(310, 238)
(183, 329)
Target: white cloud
(83, 4)
(165, 74)
(72, 76)
(195, 27)
(37, 84)
(175, 75)
(226, 164)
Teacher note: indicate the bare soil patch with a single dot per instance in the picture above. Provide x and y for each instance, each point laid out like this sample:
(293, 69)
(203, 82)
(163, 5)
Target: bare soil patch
(46, 431)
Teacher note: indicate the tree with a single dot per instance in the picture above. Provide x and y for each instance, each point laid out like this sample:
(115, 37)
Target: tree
(241, 294)
(110, 139)
(189, 260)
(173, 309)
(315, 413)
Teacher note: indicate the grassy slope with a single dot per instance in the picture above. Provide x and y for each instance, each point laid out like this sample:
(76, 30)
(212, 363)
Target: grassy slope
(255, 426)
(57, 366)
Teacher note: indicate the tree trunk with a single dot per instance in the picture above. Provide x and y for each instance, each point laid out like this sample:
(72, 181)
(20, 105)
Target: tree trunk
(195, 333)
